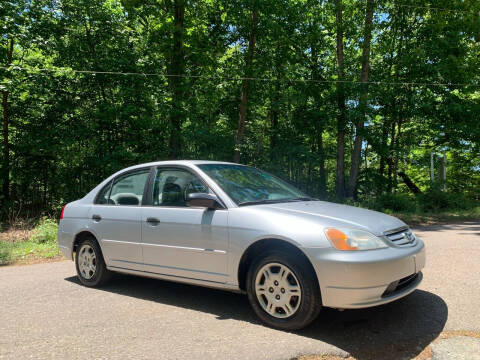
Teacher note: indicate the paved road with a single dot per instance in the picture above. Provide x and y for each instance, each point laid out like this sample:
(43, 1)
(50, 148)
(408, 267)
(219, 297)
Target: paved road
(45, 313)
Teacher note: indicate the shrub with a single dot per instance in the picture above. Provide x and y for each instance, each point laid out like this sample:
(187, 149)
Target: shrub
(436, 200)
(45, 231)
(396, 202)
(5, 251)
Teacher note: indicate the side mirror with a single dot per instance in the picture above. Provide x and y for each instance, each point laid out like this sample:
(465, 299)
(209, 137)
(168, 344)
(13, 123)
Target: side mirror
(208, 201)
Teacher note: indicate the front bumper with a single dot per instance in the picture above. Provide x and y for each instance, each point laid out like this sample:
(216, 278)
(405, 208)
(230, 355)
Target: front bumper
(358, 279)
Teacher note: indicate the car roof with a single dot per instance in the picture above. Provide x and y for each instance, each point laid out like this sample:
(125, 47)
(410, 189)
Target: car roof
(178, 162)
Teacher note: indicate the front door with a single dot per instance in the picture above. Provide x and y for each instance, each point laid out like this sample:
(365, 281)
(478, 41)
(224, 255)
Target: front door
(116, 220)
(180, 240)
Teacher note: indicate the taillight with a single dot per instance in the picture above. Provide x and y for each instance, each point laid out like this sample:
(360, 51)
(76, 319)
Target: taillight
(61, 213)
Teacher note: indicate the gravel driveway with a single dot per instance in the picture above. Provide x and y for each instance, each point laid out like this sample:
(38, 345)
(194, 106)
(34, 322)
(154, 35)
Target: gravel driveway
(45, 313)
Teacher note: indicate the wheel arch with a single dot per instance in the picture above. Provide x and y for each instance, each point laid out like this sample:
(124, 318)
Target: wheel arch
(81, 236)
(263, 245)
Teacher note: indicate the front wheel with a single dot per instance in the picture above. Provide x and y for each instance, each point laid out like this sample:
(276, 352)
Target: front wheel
(283, 291)
(91, 268)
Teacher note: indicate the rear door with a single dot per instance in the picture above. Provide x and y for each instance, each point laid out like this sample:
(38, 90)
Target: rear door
(180, 240)
(116, 219)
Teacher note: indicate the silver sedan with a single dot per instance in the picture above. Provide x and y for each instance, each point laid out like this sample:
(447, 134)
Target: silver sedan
(238, 228)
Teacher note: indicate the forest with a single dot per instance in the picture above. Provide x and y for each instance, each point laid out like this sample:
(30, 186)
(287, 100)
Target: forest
(370, 102)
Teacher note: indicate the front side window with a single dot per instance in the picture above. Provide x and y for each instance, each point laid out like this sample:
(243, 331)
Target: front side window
(247, 185)
(128, 189)
(172, 186)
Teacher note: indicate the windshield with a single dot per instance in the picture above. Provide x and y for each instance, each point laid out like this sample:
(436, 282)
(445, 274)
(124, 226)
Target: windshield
(247, 185)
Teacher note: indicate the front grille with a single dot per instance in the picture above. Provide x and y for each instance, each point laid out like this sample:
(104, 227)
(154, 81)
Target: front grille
(399, 285)
(401, 237)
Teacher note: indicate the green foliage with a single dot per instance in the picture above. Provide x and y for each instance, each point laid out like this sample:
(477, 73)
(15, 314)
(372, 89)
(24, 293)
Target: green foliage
(19, 246)
(11, 252)
(448, 216)
(397, 202)
(433, 205)
(45, 232)
(437, 201)
(69, 130)
(4, 253)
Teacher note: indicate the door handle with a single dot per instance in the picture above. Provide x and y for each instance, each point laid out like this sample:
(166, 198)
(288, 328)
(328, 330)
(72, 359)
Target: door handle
(96, 218)
(153, 221)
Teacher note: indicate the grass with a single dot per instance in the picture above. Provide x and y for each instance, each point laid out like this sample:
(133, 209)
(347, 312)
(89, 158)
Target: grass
(26, 252)
(428, 218)
(25, 245)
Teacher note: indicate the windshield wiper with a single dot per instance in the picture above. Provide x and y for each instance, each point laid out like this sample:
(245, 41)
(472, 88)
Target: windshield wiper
(259, 202)
(303, 199)
(275, 201)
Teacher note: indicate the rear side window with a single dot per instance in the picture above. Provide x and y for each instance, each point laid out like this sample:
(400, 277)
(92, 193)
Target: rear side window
(124, 190)
(128, 189)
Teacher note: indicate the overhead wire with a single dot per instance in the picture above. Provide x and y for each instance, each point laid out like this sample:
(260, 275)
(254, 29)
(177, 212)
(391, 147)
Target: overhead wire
(433, 8)
(238, 78)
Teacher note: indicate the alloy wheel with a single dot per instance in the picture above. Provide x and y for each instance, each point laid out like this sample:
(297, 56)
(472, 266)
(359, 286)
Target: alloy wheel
(87, 261)
(278, 290)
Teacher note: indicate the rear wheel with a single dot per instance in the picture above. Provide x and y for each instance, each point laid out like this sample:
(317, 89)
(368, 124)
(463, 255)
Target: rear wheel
(283, 291)
(91, 268)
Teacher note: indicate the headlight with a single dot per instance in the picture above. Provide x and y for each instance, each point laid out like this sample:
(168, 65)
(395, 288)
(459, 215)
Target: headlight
(352, 239)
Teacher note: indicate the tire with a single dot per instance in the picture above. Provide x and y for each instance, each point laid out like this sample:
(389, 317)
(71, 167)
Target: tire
(303, 301)
(88, 254)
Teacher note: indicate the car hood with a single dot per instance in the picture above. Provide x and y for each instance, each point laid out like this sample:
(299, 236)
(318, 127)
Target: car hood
(351, 216)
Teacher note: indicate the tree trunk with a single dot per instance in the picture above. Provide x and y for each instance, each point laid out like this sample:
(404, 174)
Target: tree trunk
(5, 132)
(476, 20)
(319, 126)
(362, 105)
(410, 184)
(274, 113)
(274, 109)
(260, 141)
(384, 149)
(391, 154)
(341, 121)
(242, 113)
(321, 154)
(443, 172)
(383, 153)
(177, 69)
(396, 155)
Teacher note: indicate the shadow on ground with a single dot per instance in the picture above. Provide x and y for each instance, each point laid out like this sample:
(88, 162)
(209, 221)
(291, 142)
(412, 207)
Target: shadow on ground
(401, 329)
